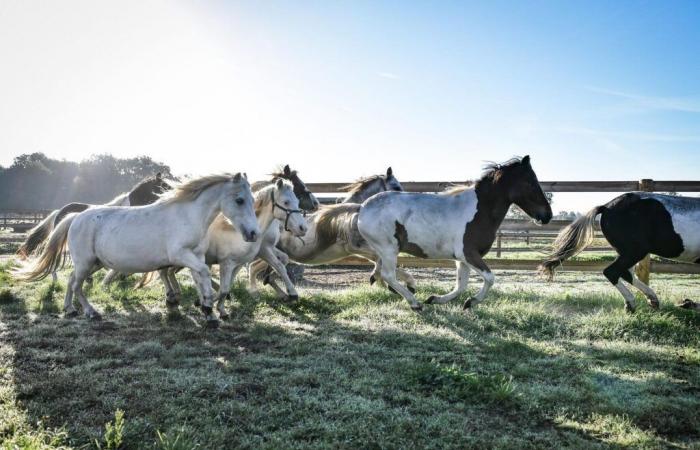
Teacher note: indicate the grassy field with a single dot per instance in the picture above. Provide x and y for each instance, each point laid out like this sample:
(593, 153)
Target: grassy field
(537, 365)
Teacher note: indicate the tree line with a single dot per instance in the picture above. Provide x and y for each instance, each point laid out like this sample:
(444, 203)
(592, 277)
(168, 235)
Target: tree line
(35, 181)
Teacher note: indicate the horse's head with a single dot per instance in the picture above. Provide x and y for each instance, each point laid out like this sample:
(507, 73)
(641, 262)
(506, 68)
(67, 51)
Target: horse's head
(148, 190)
(524, 189)
(390, 181)
(237, 206)
(307, 200)
(285, 208)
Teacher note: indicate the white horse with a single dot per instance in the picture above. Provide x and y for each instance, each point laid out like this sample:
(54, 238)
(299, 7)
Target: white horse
(170, 232)
(275, 205)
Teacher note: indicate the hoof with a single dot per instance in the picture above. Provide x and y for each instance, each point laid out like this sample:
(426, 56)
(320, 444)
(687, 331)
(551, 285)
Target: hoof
(417, 308)
(197, 302)
(430, 300)
(411, 289)
(372, 280)
(654, 304)
(391, 289)
(224, 316)
(212, 324)
(688, 304)
(70, 314)
(292, 298)
(468, 303)
(96, 317)
(629, 308)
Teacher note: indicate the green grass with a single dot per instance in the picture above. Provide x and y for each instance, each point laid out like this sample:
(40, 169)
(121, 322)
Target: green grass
(537, 365)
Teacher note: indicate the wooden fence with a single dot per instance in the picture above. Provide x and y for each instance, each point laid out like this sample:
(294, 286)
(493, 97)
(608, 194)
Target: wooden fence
(510, 229)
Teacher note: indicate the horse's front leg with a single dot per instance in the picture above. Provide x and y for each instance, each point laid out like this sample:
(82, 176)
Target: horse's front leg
(202, 278)
(460, 285)
(476, 262)
(268, 255)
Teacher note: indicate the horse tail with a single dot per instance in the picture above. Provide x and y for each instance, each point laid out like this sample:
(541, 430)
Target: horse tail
(570, 241)
(37, 236)
(146, 279)
(53, 256)
(331, 223)
(68, 209)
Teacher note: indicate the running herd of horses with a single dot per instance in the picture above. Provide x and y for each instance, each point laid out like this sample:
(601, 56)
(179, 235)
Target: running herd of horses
(162, 226)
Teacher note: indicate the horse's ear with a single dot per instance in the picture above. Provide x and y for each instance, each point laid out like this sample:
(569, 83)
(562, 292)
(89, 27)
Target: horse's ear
(245, 175)
(287, 171)
(237, 178)
(159, 176)
(526, 160)
(389, 172)
(279, 183)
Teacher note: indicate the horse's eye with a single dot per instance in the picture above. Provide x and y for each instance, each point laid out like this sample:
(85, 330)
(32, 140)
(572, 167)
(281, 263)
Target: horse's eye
(239, 201)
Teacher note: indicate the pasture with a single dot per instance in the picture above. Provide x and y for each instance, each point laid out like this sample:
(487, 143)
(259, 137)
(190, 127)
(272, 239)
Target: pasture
(536, 365)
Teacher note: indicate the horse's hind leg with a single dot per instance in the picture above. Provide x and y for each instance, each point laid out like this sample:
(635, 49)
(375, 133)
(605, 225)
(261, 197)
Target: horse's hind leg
(388, 273)
(227, 272)
(254, 269)
(648, 292)
(619, 270)
(80, 275)
(174, 284)
(460, 285)
(170, 300)
(68, 308)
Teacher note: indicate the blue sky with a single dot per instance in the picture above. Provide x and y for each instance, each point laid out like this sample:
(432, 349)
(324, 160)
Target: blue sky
(591, 90)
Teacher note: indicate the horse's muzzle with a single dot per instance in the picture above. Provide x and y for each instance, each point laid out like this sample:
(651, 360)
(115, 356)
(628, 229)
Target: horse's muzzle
(251, 236)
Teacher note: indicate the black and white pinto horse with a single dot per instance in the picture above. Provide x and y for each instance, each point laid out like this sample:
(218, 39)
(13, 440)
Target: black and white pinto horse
(145, 192)
(635, 224)
(459, 224)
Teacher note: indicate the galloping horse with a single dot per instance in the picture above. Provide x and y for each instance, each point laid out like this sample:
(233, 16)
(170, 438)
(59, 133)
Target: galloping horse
(635, 224)
(332, 233)
(459, 224)
(170, 232)
(144, 193)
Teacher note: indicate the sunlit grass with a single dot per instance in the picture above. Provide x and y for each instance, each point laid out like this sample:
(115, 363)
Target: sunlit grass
(535, 365)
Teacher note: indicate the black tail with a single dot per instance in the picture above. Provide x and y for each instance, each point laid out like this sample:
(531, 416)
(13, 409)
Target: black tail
(68, 209)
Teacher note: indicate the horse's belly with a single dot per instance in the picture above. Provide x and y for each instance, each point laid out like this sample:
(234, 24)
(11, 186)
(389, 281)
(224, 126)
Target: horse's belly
(131, 254)
(688, 228)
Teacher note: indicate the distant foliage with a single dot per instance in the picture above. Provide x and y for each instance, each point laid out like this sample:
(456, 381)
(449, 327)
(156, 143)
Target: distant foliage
(35, 181)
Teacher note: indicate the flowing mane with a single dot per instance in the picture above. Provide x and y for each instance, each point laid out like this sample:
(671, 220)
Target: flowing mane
(492, 172)
(190, 190)
(360, 184)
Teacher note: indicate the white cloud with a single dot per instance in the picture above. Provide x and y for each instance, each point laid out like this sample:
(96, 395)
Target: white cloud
(652, 103)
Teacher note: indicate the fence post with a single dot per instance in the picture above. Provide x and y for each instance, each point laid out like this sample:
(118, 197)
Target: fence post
(643, 268)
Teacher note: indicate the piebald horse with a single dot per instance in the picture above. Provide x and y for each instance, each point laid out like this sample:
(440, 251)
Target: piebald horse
(332, 233)
(145, 192)
(635, 224)
(459, 224)
(170, 232)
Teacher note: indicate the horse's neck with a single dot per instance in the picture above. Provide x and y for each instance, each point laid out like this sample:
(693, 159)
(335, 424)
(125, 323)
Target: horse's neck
(120, 200)
(264, 212)
(374, 187)
(204, 209)
(493, 200)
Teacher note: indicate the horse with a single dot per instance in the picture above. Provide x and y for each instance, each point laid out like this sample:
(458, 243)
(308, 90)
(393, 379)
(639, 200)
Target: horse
(144, 192)
(459, 224)
(332, 234)
(307, 202)
(364, 188)
(635, 224)
(170, 232)
(274, 205)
